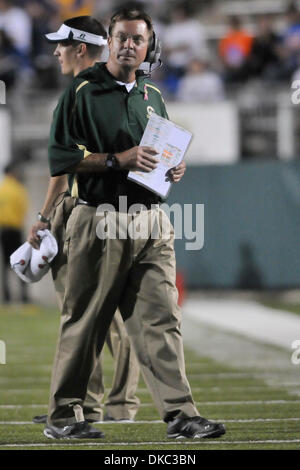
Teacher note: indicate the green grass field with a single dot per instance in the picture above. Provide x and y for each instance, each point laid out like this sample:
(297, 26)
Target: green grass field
(286, 306)
(256, 415)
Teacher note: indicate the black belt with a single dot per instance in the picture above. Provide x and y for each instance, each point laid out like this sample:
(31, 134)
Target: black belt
(143, 205)
(81, 202)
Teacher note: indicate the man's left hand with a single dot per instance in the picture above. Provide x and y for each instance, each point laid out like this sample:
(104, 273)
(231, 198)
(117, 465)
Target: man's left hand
(175, 174)
(33, 237)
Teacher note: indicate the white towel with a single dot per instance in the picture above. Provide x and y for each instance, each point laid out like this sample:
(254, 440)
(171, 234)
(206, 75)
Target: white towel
(31, 264)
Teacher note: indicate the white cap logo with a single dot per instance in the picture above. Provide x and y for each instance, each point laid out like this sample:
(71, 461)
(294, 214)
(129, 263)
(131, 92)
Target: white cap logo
(65, 32)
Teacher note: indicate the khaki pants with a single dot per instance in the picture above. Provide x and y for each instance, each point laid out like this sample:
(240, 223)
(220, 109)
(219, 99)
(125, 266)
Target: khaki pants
(122, 403)
(136, 275)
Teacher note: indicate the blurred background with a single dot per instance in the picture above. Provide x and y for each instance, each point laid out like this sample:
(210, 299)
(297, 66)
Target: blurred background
(227, 75)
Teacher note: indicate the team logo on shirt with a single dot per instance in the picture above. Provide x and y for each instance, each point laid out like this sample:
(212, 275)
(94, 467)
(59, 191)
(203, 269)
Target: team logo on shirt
(150, 110)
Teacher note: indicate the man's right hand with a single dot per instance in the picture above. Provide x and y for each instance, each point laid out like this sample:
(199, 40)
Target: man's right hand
(33, 237)
(140, 158)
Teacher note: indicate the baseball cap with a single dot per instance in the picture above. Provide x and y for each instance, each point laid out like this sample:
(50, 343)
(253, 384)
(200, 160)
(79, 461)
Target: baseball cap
(66, 32)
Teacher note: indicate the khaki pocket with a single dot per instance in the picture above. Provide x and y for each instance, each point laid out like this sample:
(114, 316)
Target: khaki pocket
(71, 223)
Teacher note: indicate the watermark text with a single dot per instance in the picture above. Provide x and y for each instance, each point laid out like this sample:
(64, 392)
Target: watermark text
(2, 92)
(2, 352)
(188, 222)
(295, 359)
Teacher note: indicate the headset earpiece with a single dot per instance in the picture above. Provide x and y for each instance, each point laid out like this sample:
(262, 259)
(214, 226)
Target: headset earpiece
(154, 50)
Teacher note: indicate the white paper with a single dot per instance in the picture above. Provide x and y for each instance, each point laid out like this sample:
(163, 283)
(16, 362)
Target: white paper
(171, 143)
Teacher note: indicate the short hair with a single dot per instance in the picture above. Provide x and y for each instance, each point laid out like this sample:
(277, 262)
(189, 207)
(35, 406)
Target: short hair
(130, 14)
(89, 25)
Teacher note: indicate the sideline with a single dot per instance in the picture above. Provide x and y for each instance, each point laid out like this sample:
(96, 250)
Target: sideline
(246, 317)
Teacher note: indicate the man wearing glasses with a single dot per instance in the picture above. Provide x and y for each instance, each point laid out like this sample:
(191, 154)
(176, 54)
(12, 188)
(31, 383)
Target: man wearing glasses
(95, 138)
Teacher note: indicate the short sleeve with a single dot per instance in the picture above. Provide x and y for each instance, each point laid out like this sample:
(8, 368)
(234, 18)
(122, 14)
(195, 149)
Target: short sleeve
(63, 148)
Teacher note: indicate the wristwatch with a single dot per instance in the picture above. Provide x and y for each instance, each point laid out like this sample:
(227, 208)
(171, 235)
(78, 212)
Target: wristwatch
(111, 162)
(43, 219)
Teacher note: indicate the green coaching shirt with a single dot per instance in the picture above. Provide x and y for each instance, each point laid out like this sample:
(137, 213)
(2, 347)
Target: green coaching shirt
(97, 115)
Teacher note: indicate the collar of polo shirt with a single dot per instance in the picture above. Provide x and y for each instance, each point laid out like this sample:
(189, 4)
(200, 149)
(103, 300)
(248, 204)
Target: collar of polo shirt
(66, 32)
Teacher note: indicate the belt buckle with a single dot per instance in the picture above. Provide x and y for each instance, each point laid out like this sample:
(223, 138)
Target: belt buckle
(80, 201)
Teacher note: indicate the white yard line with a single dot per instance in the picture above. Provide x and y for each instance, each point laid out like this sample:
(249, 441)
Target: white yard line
(238, 402)
(247, 388)
(203, 403)
(24, 390)
(4, 407)
(157, 421)
(162, 443)
(248, 402)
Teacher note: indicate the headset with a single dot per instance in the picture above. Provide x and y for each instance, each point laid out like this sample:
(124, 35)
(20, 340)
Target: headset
(152, 57)
(154, 50)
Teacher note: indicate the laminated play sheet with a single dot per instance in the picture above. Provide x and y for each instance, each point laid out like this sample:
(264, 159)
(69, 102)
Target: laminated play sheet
(171, 143)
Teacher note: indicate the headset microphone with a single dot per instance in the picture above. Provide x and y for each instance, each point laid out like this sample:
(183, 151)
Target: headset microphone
(153, 55)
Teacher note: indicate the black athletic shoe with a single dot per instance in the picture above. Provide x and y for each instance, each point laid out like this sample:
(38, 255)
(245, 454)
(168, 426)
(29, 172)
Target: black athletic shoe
(193, 428)
(39, 419)
(75, 431)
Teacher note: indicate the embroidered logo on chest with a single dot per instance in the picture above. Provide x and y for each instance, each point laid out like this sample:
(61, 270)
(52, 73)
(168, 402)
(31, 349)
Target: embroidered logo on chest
(150, 110)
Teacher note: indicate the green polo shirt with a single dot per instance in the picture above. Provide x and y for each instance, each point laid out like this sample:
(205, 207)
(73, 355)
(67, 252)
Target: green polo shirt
(97, 115)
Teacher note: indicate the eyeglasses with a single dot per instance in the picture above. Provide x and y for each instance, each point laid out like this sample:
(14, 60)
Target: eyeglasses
(137, 39)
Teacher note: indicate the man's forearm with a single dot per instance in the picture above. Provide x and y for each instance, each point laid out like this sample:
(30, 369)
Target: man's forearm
(57, 185)
(95, 162)
(140, 158)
